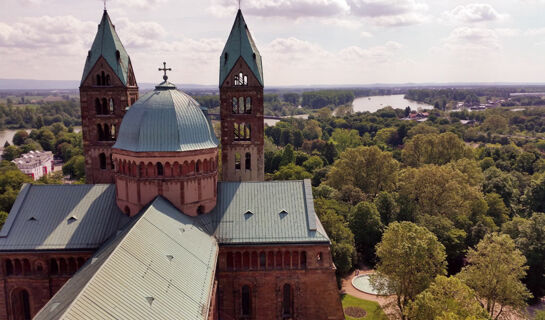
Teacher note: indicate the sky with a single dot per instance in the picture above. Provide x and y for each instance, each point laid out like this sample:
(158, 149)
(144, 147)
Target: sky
(303, 42)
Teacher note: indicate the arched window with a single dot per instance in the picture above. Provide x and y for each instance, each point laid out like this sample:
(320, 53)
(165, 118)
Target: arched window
(270, 260)
(107, 79)
(150, 172)
(98, 80)
(104, 106)
(9, 267)
(107, 133)
(254, 263)
(278, 261)
(18, 267)
(248, 105)
(287, 302)
(287, 260)
(246, 301)
(62, 266)
(159, 166)
(102, 161)
(237, 161)
(303, 262)
(53, 267)
(295, 259)
(111, 106)
(246, 260)
(230, 264)
(100, 132)
(21, 304)
(262, 260)
(248, 161)
(102, 79)
(198, 166)
(98, 106)
(235, 105)
(241, 105)
(245, 80)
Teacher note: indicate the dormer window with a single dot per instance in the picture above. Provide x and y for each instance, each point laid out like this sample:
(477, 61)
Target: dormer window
(225, 58)
(117, 55)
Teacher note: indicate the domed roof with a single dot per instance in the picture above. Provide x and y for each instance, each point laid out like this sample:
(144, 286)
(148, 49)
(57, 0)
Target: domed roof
(166, 119)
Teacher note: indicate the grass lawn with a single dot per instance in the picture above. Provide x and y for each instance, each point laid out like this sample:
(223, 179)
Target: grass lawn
(373, 309)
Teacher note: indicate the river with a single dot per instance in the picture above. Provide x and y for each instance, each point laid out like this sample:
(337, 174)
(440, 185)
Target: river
(396, 101)
(7, 135)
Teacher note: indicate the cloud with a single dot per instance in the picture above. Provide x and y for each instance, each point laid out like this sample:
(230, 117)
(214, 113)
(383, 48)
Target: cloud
(472, 39)
(473, 13)
(390, 13)
(283, 8)
(139, 34)
(131, 3)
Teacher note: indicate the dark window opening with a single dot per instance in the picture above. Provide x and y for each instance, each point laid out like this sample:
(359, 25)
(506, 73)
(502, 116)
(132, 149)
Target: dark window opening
(246, 301)
(225, 58)
(9, 267)
(242, 132)
(53, 267)
(117, 55)
(248, 106)
(107, 79)
(98, 106)
(102, 161)
(262, 260)
(159, 166)
(21, 304)
(229, 261)
(200, 210)
(127, 211)
(104, 106)
(248, 161)
(303, 260)
(287, 302)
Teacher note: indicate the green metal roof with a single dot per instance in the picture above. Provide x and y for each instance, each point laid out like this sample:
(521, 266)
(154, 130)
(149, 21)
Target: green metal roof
(57, 217)
(240, 44)
(106, 44)
(161, 267)
(166, 120)
(265, 212)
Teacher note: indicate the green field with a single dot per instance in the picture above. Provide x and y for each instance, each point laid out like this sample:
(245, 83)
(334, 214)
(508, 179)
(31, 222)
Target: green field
(373, 309)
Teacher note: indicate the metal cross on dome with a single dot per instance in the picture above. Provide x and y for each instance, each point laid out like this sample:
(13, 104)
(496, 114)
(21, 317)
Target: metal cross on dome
(165, 69)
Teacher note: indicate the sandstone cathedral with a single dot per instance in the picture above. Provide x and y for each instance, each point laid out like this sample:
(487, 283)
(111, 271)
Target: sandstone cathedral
(156, 234)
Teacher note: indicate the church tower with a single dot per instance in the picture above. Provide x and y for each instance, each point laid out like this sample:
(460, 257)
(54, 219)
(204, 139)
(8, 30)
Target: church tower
(108, 88)
(241, 98)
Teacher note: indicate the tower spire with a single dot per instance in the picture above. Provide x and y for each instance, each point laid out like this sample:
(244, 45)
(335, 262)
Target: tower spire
(104, 5)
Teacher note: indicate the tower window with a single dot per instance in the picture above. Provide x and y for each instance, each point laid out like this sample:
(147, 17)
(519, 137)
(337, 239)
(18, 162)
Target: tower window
(246, 301)
(248, 161)
(159, 166)
(98, 80)
(98, 106)
(242, 132)
(104, 106)
(235, 105)
(107, 80)
(237, 161)
(287, 302)
(240, 79)
(111, 105)
(102, 161)
(248, 106)
(200, 210)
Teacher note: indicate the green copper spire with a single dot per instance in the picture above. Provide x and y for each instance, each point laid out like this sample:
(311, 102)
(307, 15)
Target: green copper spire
(108, 45)
(240, 44)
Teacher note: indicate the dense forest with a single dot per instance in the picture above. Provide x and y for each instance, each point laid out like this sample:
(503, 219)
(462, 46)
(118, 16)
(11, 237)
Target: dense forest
(37, 116)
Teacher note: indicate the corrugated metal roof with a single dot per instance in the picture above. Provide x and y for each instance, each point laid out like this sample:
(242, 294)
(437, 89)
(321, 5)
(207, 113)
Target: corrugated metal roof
(40, 218)
(105, 45)
(165, 120)
(240, 44)
(266, 201)
(161, 267)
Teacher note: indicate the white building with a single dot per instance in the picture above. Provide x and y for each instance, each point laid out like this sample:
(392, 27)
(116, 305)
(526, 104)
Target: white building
(35, 164)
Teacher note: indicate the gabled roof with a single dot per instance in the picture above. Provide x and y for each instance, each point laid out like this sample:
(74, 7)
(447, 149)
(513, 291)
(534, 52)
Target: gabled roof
(106, 44)
(166, 119)
(240, 44)
(40, 218)
(279, 212)
(160, 267)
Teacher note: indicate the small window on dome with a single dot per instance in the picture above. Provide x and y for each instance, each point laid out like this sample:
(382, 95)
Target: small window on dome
(118, 55)
(225, 58)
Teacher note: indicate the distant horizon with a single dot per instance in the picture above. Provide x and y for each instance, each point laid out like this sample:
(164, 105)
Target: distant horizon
(49, 85)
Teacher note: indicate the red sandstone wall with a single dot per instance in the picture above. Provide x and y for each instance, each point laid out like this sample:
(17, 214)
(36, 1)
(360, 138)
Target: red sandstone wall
(38, 277)
(314, 286)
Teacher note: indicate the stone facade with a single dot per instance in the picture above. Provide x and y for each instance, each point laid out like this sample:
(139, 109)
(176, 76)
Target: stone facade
(277, 282)
(187, 179)
(29, 279)
(103, 104)
(242, 125)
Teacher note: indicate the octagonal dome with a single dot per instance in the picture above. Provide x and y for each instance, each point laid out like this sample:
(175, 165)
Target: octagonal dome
(166, 120)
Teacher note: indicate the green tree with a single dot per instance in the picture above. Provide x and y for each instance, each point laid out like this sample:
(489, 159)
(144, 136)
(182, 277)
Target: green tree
(288, 156)
(495, 269)
(312, 130)
(75, 167)
(291, 172)
(410, 257)
(540, 315)
(495, 123)
(344, 138)
(46, 138)
(496, 208)
(367, 229)
(3, 217)
(529, 236)
(387, 207)
(367, 168)
(446, 296)
(11, 181)
(313, 163)
(10, 153)
(19, 137)
(434, 149)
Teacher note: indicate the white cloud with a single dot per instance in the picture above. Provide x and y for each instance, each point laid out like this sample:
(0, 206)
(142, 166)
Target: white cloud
(467, 39)
(283, 8)
(131, 3)
(365, 34)
(139, 34)
(390, 13)
(473, 13)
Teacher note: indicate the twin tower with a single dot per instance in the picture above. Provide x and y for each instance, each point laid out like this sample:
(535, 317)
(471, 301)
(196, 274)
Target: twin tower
(108, 89)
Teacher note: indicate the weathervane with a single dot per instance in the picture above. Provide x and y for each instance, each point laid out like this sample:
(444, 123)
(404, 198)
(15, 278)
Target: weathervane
(165, 69)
